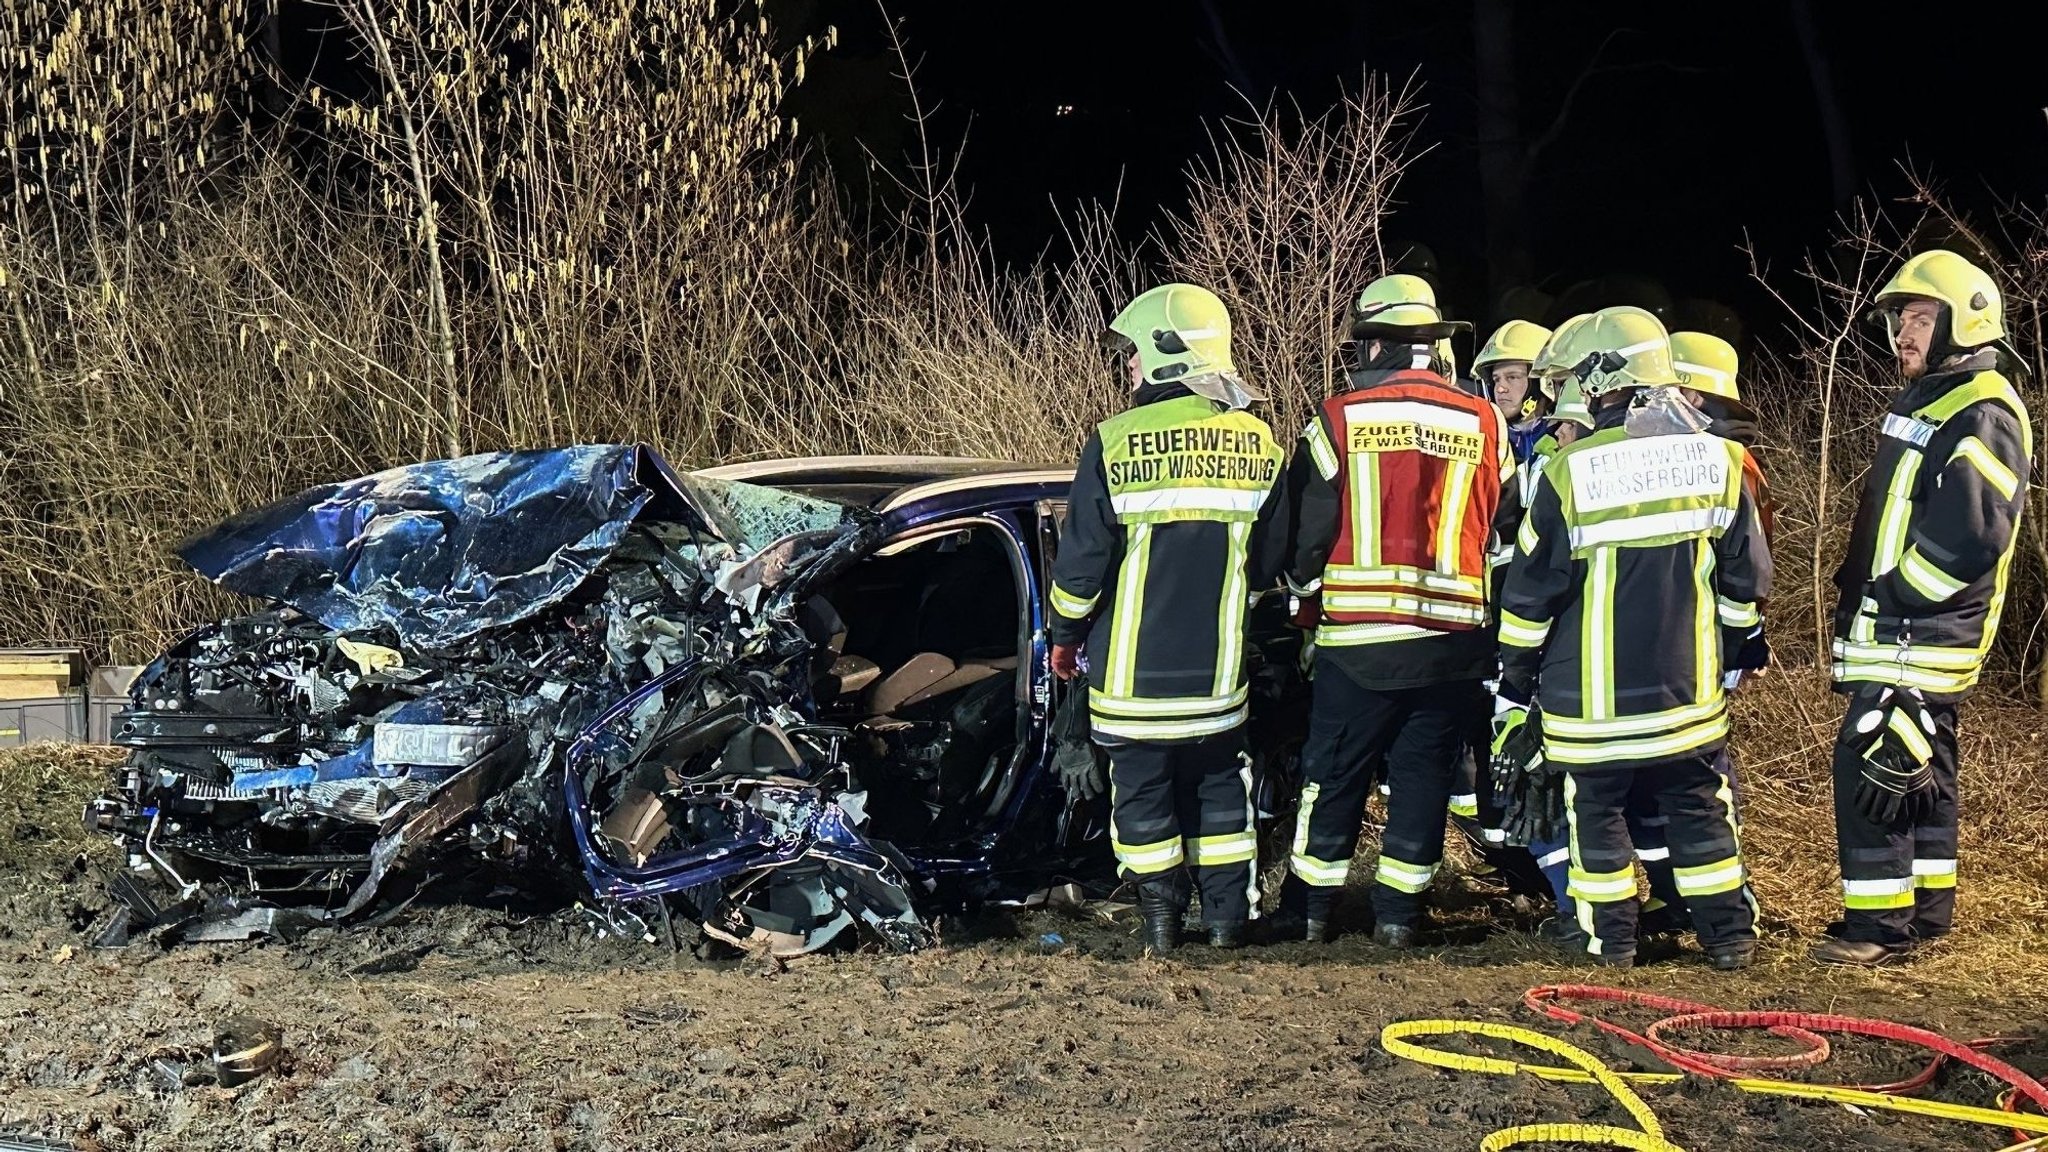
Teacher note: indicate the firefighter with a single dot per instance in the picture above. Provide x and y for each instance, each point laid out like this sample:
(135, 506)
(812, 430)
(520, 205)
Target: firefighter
(1634, 585)
(1177, 516)
(1549, 369)
(1397, 484)
(1503, 367)
(1706, 367)
(1922, 589)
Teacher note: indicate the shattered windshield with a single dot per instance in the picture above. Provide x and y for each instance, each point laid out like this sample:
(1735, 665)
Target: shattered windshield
(750, 516)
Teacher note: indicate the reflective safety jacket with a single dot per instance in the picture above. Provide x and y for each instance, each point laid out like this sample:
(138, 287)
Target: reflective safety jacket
(1636, 578)
(1397, 505)
(1924, 580)
(1176, 518)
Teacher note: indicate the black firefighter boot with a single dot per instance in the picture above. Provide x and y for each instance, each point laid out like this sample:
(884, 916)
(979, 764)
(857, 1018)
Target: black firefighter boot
(1163, 903)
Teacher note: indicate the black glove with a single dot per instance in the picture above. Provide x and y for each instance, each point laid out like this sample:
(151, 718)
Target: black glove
(1079, 771)
(1074, 759)
(1754, 653)
(1894, 732)
(1529, 789)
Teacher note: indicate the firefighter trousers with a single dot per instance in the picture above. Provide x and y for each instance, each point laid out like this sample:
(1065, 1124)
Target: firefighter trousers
(1898, 882)
(1186, 807)
(1704, 841)
(1420, 733)
(1648, 831)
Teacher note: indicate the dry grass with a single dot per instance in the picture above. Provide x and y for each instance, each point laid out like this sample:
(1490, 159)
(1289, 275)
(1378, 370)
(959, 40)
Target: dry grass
(1786, 728)
(43, 792)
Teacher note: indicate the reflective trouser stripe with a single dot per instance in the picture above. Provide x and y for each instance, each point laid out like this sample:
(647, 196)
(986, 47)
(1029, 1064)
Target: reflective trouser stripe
(1601, 887)
(1708, 879)
(1403, 876)
(1553, 859)
(1465, 804)
(1144, 859)
(1228, 848)
(1313, 871)
(1934, 873)
(1877, 895)
(1653, 855)
(1320, 873)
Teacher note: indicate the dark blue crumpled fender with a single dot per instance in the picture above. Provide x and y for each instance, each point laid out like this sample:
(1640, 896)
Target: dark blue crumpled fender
(443, 550)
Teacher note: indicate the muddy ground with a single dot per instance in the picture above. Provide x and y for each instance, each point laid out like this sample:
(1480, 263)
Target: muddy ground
(478, 1027)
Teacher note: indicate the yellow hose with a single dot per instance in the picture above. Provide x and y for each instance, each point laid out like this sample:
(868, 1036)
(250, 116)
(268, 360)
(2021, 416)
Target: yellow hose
(1394, 1038)
(1587, 1069)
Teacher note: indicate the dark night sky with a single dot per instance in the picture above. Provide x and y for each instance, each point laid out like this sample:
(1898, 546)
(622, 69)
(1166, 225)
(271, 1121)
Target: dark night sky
(1700, 123)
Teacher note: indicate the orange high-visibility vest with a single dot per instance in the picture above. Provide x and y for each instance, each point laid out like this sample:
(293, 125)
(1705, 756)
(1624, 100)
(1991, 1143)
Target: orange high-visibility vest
(1418, 466)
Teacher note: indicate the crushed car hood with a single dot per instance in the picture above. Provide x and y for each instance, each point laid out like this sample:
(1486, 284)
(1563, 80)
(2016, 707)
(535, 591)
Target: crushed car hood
(440, 551)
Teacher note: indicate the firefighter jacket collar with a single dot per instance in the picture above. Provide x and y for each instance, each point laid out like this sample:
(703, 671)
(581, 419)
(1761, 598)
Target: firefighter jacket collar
(1938, 382)
(1362, 379)
(1154, 393)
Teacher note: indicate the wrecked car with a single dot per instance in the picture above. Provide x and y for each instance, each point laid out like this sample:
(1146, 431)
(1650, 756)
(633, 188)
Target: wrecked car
(769, 701)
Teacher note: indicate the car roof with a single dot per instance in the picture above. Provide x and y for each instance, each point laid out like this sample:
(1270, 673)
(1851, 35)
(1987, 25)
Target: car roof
(883, 482)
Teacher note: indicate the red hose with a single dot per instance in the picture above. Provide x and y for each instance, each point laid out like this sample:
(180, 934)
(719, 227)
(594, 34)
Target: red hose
(1804, 1027)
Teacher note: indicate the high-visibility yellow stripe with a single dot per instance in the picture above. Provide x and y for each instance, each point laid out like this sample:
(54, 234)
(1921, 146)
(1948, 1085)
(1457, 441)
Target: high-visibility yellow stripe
(1901, 724)
(1166, 729)
(1446, 611)
(1706, 638)
(1071, 606)
(1145, 859)
(1456, 491)
(1987, 463)
(1320, 873)
(1140, 707)
(1596, 640)
(1927, 579)
(1878, 895)
(1892, 521)
(1444, 583)
(1230, 613)
(1366, 547)
(1320, 449)
(1228, 848)
(1600, 887)
(1647, 723)
(1658, 748)
(1517, 632)
(1526, 537)
(1710, 879)
(1402, 876)
(1904, 676)
(1129, 612)
(1934, 873)
(1919, 655)
(1738, 613)
(1342, 635)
